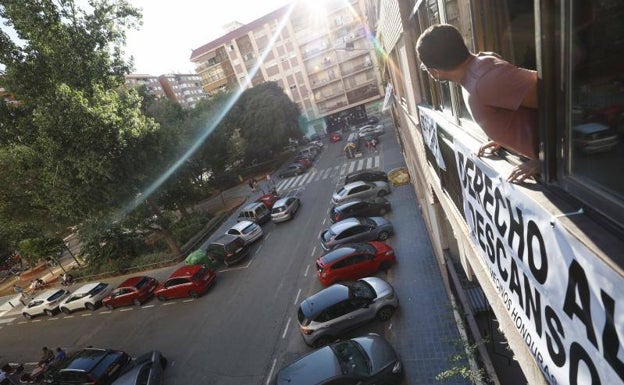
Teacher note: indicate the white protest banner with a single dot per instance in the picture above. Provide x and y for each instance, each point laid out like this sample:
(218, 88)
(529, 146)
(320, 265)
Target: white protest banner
(565, 302)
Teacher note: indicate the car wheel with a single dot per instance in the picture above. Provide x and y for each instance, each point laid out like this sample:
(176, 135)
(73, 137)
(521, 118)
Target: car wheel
(110, 306)
(65, 310)
(90, 306)
(385, 313)
(48, 312)
(322, 341)
(136, 302)
(161, 298)
(385, 266)
(382, 236)
(382, 193)
(27, 316)
(193, 294)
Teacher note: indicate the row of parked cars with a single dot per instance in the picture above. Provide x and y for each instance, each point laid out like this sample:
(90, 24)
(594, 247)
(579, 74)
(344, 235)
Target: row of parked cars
(303, 160)
(352, 297)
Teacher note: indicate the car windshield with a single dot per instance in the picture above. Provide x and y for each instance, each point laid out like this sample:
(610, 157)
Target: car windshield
(328, 235)
(200, 274)
(279, 209)
(341, 192)
(351, 358)
(56, 295)
(369, 222)
(362, 289)
(142, 282)
(362, 248)
(249, 228)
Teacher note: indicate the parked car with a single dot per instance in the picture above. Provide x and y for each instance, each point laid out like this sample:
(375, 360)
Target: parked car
(187, 281)
(268, 199)
(285, 208)
(293, 169)
(311, 151)
(344, 306)
(368, 359)
(360, 190)
(255, 212)
(88, 296)
(335, 137)
(373, 120)
(590, 138)
(357, 229)
(88, 366)
(366, 175)
(132, 291)
(354, 261)
(247, 230)
(147, 369)
(227, 249)
(45, 303)
(303, 161)
(372, 207)
(371, 130)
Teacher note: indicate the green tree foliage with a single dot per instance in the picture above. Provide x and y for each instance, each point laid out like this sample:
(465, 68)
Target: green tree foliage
(39, 248)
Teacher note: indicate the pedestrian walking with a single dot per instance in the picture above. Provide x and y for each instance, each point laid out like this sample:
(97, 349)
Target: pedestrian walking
(252, 186)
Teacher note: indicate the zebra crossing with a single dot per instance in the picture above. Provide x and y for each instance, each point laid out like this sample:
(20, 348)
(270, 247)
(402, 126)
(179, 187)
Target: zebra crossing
(314, 175)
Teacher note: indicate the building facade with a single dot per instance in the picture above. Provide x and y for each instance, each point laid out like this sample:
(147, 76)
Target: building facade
(546, 255)
(324, 61)
(184, 89)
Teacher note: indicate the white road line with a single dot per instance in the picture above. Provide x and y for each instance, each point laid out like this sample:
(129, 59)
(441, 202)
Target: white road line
(53, 319)
(271, 371)
(304, 179)
(313, 251)
(108, 311)
(6, 320)
(297, 297)
(87, 315)
(390, 326)
(188, 300)
(267, 236)
(319, 175)
(286, 328)
(146, 306)
(360, 164)
(369, 162)
(37, 320)
(326, 173)
(297, 179)
(258, 250)
(377, 161)
(22, 322)
(306, 271)
(288, 183)
(352, 166)
(324, 219)
(169, 303)
(128, 309)
(343, 169)
(280, 184)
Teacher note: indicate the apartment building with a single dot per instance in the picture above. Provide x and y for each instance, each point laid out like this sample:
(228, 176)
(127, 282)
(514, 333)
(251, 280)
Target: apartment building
(151, 82)
(323, 59)
(186, 89)
(545, 255)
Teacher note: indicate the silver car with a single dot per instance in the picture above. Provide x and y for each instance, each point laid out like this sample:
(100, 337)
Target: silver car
(88, 296)
(370, 130)
(147, 369)
(247, 230)
(341, 307)
(45, 303)
(356, 229)
(284, 209)
(360, 190)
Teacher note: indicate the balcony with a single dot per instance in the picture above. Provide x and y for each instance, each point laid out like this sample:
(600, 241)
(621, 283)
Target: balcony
(362, 93)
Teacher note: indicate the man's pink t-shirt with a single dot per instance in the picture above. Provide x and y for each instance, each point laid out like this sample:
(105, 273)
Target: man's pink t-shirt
(493, 90)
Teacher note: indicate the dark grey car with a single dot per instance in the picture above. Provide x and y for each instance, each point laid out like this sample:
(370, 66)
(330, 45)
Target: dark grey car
(359, 229)
(363, 360)
(147, 369)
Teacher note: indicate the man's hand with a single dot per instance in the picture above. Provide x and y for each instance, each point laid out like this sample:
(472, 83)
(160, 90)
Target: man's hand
(490, 148)
(526, 170)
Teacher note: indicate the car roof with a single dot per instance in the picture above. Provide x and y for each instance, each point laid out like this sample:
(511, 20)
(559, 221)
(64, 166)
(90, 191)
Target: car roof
(325, 298)
(86, 288)
(281, 202)
(240, 226)
(132, 281)
(311, 369)
(365, 171)
(251, 206)
(348, 204)
(186, 271)
(46, 294)
(224, 239)
(344, 224)
(88, 358)
(357, 183)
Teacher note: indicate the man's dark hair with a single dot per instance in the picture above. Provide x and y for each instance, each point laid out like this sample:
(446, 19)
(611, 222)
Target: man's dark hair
(442, 47)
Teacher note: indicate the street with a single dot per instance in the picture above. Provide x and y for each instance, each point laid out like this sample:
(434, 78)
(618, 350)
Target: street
(244, 329)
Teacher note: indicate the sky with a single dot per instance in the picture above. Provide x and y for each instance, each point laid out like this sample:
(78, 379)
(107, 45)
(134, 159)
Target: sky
(171, 30)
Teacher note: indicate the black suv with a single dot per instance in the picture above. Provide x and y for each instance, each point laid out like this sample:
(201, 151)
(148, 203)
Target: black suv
(227, 249)
(374, 207)
(366, 175)
(88, 366)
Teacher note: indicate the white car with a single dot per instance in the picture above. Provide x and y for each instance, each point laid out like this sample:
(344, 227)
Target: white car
(370, 130)
(360, 190)
(247, 230)
(45, 303)
(284, 209)
(88, 296)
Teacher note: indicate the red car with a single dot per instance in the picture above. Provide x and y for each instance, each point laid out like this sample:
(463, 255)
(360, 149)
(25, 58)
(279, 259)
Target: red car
(132, 291)
(335, 137)
(268, 200)
(187, 281)
(305, 162)
(354, 261)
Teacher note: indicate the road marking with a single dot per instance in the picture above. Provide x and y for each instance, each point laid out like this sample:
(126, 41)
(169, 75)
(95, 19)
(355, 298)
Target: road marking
(168, 303)
(188, 300)
(377, 161)
(390, 326)
(267, 236)
(369, 162)
(360, 164)
(53, 319)
(22, 322)
(297, 179)
(126, 309)
(306, 271)
(147, 306)
(258, 250)
(297, 297)
(324, 219)
(343, 169)
(271, 371)
(87, 315)
(352, 166)
(313, 252)
(6, 320)
(286, 328)
(37, 320)
(106, 312)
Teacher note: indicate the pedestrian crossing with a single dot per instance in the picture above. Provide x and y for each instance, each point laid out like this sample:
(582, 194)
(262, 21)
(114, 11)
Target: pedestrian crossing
(314, 175)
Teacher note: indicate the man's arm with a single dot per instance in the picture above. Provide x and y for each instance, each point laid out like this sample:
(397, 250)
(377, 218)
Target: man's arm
(530, 98)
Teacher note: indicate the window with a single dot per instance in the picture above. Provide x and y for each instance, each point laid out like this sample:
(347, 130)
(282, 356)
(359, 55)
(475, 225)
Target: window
(596, 103)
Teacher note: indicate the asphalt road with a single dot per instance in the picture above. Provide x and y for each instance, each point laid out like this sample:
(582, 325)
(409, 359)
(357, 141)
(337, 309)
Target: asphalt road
(240, 332)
